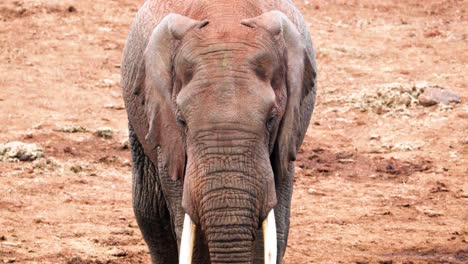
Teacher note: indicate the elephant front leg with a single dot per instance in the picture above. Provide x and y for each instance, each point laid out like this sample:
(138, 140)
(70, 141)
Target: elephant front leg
(150, 207)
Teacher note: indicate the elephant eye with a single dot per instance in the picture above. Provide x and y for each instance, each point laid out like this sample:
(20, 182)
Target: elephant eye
(272, 118)
(188, 74)
(180, 120)
(271, 122)
(185, 70)
(261, 72)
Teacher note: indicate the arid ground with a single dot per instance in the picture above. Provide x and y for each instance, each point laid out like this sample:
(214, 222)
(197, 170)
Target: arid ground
(380, 178)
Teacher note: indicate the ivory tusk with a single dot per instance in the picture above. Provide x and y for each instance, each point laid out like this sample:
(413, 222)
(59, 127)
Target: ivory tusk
(187, 241)
(269, 238)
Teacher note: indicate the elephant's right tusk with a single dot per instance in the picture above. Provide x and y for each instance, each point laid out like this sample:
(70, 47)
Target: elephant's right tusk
(269, 238)
(187, 241)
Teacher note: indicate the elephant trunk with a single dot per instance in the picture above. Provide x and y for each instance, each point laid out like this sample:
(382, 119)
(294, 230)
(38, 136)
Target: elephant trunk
(229, 222)
(228, 191)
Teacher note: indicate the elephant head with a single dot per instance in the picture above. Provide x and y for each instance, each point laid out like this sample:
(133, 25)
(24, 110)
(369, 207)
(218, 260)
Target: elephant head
(226, 109)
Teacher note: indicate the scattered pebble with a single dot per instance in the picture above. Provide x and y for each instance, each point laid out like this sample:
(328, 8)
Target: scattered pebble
(46, 164)
(126, 163)
(104, 132)
(432, 33)
(429, 212)
(117, 252)
(114, 107)
(344, 161)
(19, 151)
(462, 193)
(439, 187)
(38, 126)
(109, 159)
(72, 129)
(109, 82)
(105, 29)
(76, 168)
(315, 192)
(125, 144)
(71, 9)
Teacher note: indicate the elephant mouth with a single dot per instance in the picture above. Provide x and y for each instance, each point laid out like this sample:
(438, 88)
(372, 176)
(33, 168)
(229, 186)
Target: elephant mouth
(269, 239)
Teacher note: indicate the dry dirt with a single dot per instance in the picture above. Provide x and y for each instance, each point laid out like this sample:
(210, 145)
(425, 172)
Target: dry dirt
(373, 185)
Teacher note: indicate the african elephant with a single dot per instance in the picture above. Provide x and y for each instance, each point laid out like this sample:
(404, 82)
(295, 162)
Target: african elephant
(219, 95)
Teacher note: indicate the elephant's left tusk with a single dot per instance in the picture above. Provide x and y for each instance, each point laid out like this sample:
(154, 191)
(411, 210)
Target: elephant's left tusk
(269, 238)
(187, 241)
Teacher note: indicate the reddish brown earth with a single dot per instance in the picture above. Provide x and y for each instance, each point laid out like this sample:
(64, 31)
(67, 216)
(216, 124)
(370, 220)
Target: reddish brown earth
(385, 186)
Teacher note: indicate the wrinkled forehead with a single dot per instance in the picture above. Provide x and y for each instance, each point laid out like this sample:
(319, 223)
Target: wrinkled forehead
(236, 41)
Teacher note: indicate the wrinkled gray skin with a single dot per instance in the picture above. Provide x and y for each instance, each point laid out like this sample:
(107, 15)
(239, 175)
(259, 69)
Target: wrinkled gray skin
(217, 111)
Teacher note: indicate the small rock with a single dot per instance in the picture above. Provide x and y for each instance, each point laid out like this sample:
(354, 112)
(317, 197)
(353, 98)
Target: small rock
(362, 262)
(439, 187)
(76, 168)
(344, 161)
(38, 126)
(104, 132)
(117, 252)
(108, 159)
(429, 212)
(453, 155)
(15, 150)
(435, 95)
(344, 155)
(314, 192)
(105, 29)
(464, 141)
(386, 262)
(28, 135)
(9, 260)
(462, 193)
(68, 150)
(71, 9)
(125, 144)
(432, 33)
(77, 129)
(114, 107)
(108, 82)
(46, 164)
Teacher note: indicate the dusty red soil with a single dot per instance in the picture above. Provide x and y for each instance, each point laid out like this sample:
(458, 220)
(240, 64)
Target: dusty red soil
(371, 186)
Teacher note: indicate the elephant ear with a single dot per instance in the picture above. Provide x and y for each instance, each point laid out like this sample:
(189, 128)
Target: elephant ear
(301, 88)
(148, 87)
